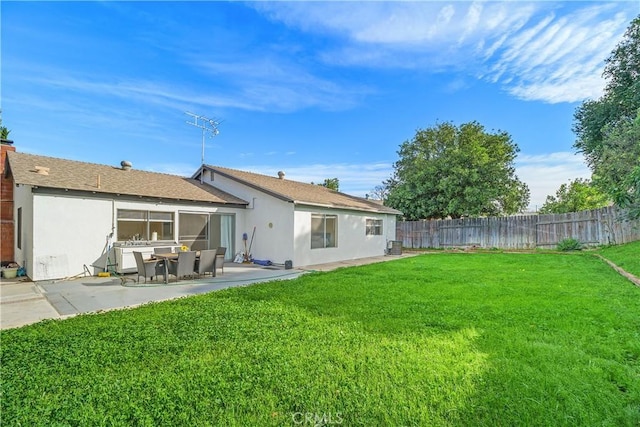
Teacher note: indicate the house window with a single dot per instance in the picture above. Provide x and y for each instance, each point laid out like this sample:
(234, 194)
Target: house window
(19, 236)
(324, 231)
(140, 225)
(162, 224)
(374, 227)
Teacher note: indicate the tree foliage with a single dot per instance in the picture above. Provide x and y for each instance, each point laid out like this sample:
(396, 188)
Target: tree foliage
(607, 129)
(450, 171)
(619, 170)
(379, 192)
(578, 195)
(332, 183)
(4, 132)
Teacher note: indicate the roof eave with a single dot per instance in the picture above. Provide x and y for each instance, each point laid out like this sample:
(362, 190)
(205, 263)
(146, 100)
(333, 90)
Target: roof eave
(348, 208)
(44, 188)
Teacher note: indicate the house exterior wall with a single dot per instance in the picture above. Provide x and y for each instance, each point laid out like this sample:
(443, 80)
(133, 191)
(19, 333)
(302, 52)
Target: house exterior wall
(68, 233)
(62, 234)
(390, 222)
(289, 238)
(271, 217)
(22, 198)
(352, 241)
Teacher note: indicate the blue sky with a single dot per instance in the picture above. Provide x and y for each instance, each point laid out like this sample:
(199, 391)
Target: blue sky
(316, 89)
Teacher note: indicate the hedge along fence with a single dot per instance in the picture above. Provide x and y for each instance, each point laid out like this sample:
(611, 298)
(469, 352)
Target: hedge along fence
(595, 227)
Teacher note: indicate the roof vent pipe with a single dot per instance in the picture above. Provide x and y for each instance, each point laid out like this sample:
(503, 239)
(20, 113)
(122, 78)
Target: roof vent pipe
(126, 165)
(280, 174)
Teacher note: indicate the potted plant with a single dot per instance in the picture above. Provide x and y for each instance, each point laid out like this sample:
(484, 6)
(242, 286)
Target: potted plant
(10, 271)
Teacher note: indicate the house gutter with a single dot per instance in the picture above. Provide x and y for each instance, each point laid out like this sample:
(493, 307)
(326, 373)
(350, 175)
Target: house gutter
(345, 208)
(132, 197)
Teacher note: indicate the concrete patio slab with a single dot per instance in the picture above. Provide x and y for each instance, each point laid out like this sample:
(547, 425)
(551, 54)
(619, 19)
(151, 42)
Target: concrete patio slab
(23, 302)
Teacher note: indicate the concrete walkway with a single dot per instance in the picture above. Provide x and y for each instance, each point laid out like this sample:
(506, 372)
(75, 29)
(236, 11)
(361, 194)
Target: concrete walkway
(23, 302)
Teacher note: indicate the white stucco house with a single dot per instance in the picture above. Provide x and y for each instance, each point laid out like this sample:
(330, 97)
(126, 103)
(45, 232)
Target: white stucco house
(72, 216)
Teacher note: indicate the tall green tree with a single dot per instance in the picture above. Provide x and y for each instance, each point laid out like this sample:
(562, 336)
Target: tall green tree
(578, 195)
(450, 171)
(607, 129)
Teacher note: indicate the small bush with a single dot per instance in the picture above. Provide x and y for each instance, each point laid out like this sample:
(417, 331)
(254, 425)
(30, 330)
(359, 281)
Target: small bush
(570, 244)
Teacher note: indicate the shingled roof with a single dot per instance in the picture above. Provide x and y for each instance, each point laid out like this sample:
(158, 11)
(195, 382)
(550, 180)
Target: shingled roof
(51, 172)
(301, 193)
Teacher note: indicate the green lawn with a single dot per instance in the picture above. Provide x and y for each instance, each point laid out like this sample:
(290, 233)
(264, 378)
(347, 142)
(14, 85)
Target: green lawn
(441, 339)
(624, 256)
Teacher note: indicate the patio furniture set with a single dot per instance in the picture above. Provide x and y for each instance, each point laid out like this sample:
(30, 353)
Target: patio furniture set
(180, 264)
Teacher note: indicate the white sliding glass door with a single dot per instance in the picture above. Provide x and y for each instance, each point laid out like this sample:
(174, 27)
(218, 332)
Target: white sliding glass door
(222, 228)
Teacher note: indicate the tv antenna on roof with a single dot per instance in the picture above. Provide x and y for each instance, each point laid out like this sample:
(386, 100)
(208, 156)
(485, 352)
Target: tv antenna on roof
(207, 125)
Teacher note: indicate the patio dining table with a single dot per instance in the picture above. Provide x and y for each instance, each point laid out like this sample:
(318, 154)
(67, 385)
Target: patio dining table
(167, 257)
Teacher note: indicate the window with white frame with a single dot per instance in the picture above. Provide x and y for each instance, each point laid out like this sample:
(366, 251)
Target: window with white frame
(141, 225)
(324, 231)
(374, 227)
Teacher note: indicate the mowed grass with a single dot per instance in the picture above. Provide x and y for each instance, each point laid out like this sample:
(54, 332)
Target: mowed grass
(625, 256)
(441, 339)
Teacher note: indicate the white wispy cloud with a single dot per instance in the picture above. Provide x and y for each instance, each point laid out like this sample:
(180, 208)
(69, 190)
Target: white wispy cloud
(255, 85)
(535, 51)
(560, 58)
(161, 94)
(180, 169)
(545, 173)
(276, 83)
(551, 52)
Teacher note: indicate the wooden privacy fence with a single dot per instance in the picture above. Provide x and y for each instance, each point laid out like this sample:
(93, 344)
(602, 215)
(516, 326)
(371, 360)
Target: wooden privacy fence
(595, 227)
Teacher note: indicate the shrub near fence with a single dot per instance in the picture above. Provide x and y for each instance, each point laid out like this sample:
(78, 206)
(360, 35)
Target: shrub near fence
(592, 228)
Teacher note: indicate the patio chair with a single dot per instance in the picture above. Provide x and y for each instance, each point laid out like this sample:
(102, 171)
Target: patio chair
(148, 268)
(206, 263)
(184, 265)
(220, 253)
(162, 250)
